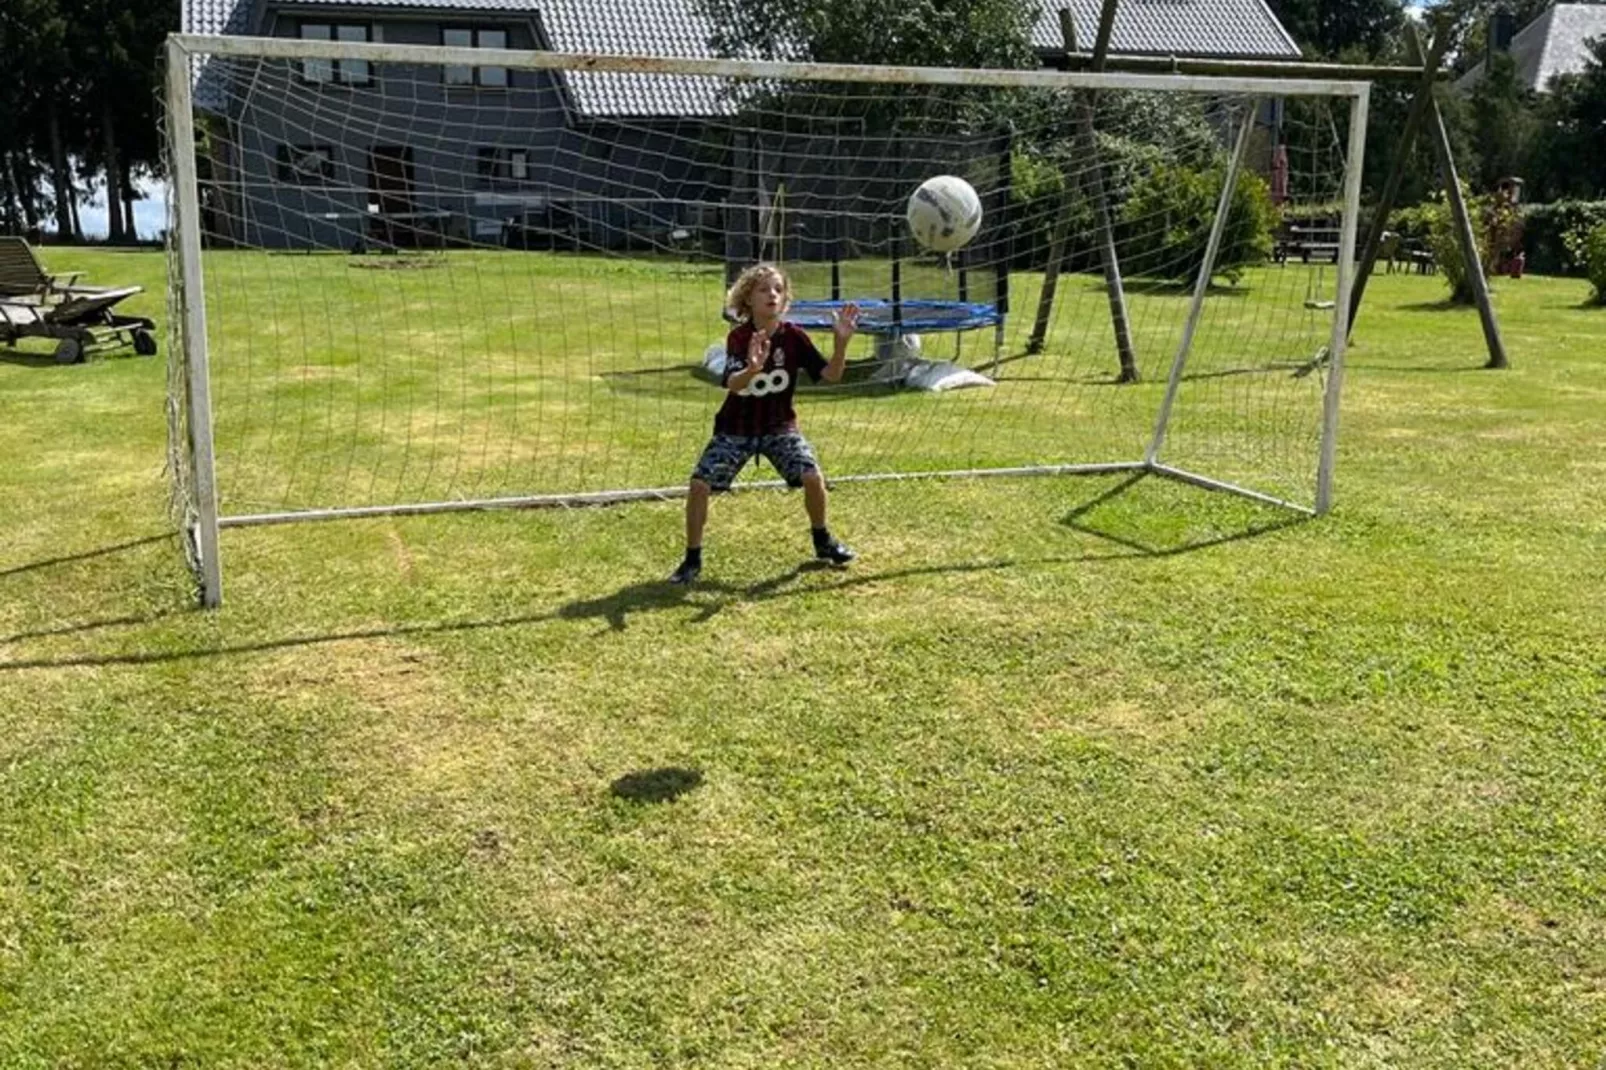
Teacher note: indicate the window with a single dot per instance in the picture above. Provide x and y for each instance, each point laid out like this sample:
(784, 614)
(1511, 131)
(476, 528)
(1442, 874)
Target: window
(306, 165)
(336, 71)
(498, 165)
(491, 77)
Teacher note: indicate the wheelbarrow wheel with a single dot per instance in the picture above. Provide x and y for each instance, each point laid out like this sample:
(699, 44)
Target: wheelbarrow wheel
(69, 351)
(144, 343)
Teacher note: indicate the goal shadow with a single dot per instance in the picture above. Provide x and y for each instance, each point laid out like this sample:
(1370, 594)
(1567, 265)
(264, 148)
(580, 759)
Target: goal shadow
(1139, 515)
(1153, 516)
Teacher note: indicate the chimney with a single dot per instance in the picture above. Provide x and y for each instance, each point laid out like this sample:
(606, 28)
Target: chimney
(1502, 28)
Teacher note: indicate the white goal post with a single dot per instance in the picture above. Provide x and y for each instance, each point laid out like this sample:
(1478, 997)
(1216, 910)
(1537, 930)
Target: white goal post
(415, 278)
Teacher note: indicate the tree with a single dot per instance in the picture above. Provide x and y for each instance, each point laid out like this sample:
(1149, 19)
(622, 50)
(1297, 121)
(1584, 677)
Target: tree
(79, 92)
(930, 33)
(34, 97)
(1504, 121)
(1571, 150)
(1476, 15)
(1355, 30)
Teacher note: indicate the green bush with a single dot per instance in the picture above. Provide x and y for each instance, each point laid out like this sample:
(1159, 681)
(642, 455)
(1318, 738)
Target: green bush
(1168, 216)
(1432, 222)
(1043, 200)
(1588, 249)
(1415, 222)
(1552, 230)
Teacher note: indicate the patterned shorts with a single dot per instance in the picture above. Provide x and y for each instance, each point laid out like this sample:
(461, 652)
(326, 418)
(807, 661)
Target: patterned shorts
(725, 455)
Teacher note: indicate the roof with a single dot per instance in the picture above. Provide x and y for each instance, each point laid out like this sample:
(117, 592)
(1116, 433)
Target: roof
(678, 29)
(669, 28)
(1553, 43)
(1217, 29)
(673, 29)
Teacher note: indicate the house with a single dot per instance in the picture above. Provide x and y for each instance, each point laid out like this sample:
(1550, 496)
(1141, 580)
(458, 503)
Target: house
(1555, 42)
(340, 155)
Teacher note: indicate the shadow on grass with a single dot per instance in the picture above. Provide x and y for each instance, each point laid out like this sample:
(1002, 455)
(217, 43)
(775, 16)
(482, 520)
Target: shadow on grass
(1110, 378)
(1138, 515)
(28, 359)
(86, 555)
(87, 626)
(707, 597)
(1459, 369)
(1442, 305)
(663, 369)
(656, 785)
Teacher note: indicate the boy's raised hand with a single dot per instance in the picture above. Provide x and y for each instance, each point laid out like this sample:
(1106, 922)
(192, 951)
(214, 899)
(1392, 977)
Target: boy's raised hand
(845, 322)
(758, 350)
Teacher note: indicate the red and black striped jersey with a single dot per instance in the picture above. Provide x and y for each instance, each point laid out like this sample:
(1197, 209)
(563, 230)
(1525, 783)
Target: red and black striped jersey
(765, 406)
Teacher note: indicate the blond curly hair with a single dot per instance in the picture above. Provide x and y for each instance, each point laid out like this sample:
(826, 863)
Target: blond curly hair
(739, 297)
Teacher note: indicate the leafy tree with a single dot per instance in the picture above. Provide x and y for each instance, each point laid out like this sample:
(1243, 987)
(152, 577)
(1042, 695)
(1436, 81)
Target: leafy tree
(1571, 145)
(36, 100)
(1354, 30)
(1475, 16)
(80, 94)
(929, 33)
(1504, 123)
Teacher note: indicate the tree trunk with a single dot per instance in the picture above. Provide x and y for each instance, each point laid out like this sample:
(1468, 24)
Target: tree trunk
(77, 231)
(22, 182)
(10, 214)
(114, 194)
(129, 194)
(59, 178)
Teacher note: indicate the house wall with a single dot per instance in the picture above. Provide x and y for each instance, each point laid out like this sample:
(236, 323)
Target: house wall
(620, 184)
(613, 182)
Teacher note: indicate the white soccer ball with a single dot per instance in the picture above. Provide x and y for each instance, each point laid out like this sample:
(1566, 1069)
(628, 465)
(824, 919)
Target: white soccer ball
(944, 213)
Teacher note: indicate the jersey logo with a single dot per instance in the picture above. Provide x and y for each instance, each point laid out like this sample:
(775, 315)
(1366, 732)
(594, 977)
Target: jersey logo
(772, 382)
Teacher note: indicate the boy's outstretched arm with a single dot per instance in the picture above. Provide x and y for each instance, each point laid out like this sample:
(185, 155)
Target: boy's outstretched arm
(843, 324)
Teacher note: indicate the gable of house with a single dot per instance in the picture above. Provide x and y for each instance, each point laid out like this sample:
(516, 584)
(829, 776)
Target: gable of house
(1555, 42)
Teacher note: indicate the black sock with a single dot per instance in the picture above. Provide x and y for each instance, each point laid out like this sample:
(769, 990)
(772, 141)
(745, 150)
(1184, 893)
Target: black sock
(822, 537)
(694, 555)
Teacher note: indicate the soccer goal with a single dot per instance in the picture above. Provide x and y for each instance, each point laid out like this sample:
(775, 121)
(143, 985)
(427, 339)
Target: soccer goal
(416, 278)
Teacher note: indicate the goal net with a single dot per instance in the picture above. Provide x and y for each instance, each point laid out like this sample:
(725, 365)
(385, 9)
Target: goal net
(410, 278)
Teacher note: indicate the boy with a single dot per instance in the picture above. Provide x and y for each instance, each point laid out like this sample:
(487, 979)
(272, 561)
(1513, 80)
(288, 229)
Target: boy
(763, 356)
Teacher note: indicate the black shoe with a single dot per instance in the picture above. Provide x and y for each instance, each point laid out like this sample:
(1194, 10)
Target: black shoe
(834, 552)
(686, 573)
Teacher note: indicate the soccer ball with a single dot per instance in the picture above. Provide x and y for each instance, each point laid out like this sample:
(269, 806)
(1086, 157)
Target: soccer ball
(944, 213)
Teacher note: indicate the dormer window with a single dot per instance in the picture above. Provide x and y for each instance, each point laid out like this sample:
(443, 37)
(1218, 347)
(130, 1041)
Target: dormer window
(355, 72)
(466, 37)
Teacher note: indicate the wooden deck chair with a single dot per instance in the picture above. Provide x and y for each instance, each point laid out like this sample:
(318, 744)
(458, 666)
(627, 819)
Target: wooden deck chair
(37, 304)
(22, 275)
(81, 322)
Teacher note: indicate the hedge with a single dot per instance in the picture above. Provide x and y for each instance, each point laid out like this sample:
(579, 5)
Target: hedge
(1546, 227)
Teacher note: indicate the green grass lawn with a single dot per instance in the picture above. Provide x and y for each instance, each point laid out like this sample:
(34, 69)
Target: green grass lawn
(1061, 772)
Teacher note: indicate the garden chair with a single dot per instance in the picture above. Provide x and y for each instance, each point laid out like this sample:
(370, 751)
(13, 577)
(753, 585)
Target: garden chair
(81, 322)
(37, 304)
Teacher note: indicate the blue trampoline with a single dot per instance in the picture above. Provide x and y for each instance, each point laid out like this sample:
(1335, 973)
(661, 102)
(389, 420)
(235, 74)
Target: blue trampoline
(877, 316)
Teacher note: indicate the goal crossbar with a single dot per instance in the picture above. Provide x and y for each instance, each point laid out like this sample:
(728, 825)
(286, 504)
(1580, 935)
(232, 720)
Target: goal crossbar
(758, 70)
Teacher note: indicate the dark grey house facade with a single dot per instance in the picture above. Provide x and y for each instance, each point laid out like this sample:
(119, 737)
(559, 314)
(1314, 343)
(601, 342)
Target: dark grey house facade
(342, 155)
